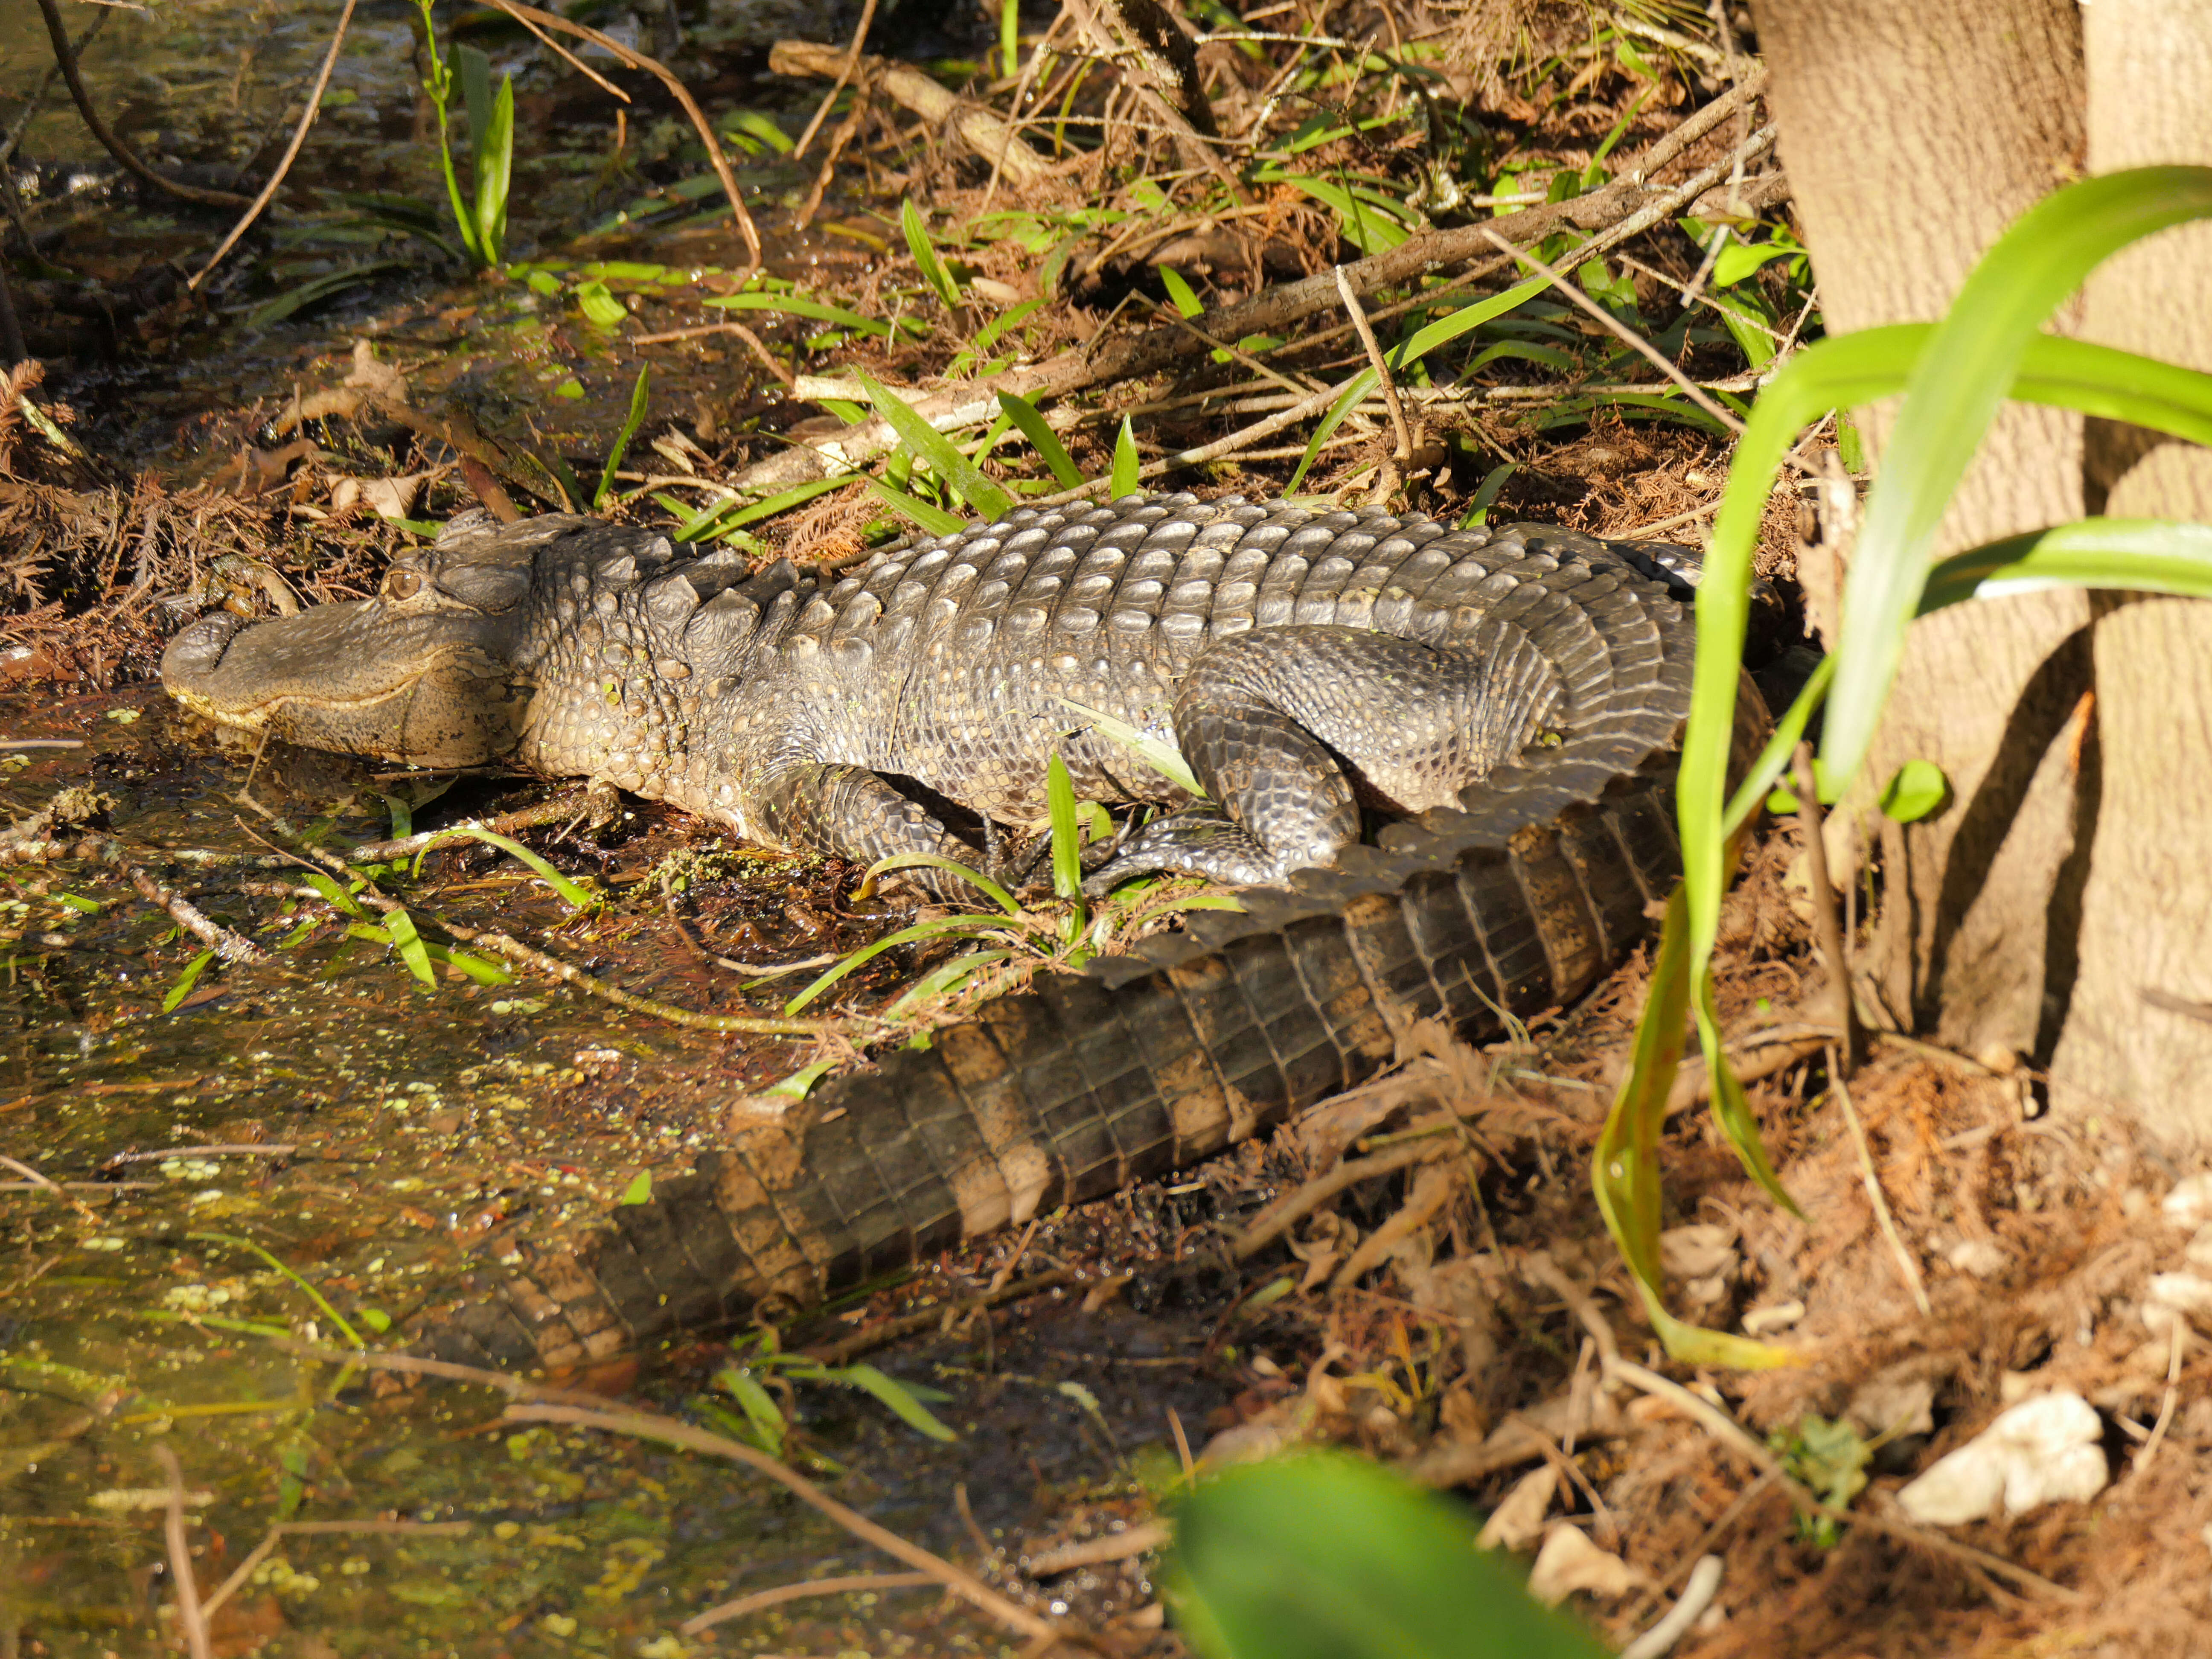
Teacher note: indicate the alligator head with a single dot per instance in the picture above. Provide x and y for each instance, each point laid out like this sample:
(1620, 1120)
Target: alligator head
(423, 672)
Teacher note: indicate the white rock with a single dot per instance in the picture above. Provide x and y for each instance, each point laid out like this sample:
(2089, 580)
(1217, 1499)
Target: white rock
(2175, 1296)
(1985, 1258)
(2044, 1451)
(1888, 1405)
(1698, 1251)
(2189, 1204)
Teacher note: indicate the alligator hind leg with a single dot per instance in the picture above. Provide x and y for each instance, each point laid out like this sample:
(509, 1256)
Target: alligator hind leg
(1289, 729)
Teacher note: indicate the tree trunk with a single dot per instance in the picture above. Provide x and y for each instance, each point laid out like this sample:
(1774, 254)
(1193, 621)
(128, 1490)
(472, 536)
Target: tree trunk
(2145, 932)
(2075, 856)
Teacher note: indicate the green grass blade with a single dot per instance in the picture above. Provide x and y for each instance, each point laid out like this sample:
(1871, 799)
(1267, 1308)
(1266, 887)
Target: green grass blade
(905, 1403)
(933, 519)
(184, 982)
(335, 895)
(1030, 422)
(494, 171)
(925, 256)
(1128, 472)
(1180, 292)
(1164, 758)
(1953, 394)
(577, 898)
(793, 305)
(868, 953)
(990, 889)
(945, 976)
(1781, 749)
(928, 443)
(1066, 842)
(476, 91)
(636, 418)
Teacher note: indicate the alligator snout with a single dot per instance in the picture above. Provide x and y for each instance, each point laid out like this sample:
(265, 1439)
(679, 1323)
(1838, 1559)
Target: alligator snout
(196, 653)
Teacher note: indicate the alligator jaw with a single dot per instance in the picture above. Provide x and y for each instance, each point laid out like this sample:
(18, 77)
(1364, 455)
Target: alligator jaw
(429, 689)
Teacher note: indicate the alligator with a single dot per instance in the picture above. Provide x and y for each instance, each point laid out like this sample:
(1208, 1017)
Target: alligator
(1506, 701)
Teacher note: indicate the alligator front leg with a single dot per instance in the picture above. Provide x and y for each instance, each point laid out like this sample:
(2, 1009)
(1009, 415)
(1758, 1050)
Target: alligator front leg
(825, 807)
(1290, 729)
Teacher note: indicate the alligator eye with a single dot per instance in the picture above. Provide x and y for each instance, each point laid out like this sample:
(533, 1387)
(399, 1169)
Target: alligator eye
(403, 585)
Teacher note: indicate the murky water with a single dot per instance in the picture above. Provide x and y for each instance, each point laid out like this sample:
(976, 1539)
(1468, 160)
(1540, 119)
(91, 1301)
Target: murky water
(333, 1142)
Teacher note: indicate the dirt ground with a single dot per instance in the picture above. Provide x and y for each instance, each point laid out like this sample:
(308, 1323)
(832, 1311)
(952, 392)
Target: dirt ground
(1463, 1317)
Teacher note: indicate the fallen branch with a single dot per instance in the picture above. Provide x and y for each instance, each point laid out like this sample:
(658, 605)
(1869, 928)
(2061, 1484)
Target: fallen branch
(989, 136)
(1624, 208)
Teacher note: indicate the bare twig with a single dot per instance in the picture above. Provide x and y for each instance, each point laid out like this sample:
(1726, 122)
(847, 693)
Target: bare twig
(1827, 927)
(1381, 369)
(677, 89)
(1620, 330)
(291, 150)
(850, 62)
(45, 1184)
(774, 365)
(1286, 1211)
(190, 1618)
(645, 1425)
(2141, 1466)
(1908, 1268)
(1696, 1596)
(1141, 1539)
(846, 1585)
(230, 946)
(989, 135)
(66, 55)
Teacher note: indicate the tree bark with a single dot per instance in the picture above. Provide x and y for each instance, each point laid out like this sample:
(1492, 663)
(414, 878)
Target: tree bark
(1913, 132)
(2146, 933)
(2072, 871)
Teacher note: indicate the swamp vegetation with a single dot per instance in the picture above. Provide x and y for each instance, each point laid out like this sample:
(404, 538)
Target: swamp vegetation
(297, 1049)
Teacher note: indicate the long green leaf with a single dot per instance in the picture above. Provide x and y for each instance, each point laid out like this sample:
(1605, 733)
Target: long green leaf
(1164, 758)
(1030, 422)
(184, 982)
(1067, 843)
(1128, 472)
(990, 889)
(904, 1401)
(793, 305)
(933, 519)
(494, 171)
(2148, 556)
(1323, 1556)
(579, 898)
(409, 944)
(1406, 353)
(636, 418)
(925, 256)
(1953, 394)
(930, 445)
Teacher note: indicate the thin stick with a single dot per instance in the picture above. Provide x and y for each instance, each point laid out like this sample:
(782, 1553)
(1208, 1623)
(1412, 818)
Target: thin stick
(58, 32)
(279, 1150)
(231, 947)
(41, 742)
(1627, 336)
(579, 65)
(527, 14)
(1139, 1540)
(1696, 1596)
(46, 1184)
(291, 150)
(1381, 369)
(1827, 928)
(190, 1618)
(751, 339)
(812, 1587)
(1905, 1265)
(844, 76)
(1014, 107)
(2140, 1466)
(1292, 1207)
(646, 1426)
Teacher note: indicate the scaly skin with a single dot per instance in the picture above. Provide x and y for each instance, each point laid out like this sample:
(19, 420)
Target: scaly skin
(1517, 691)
